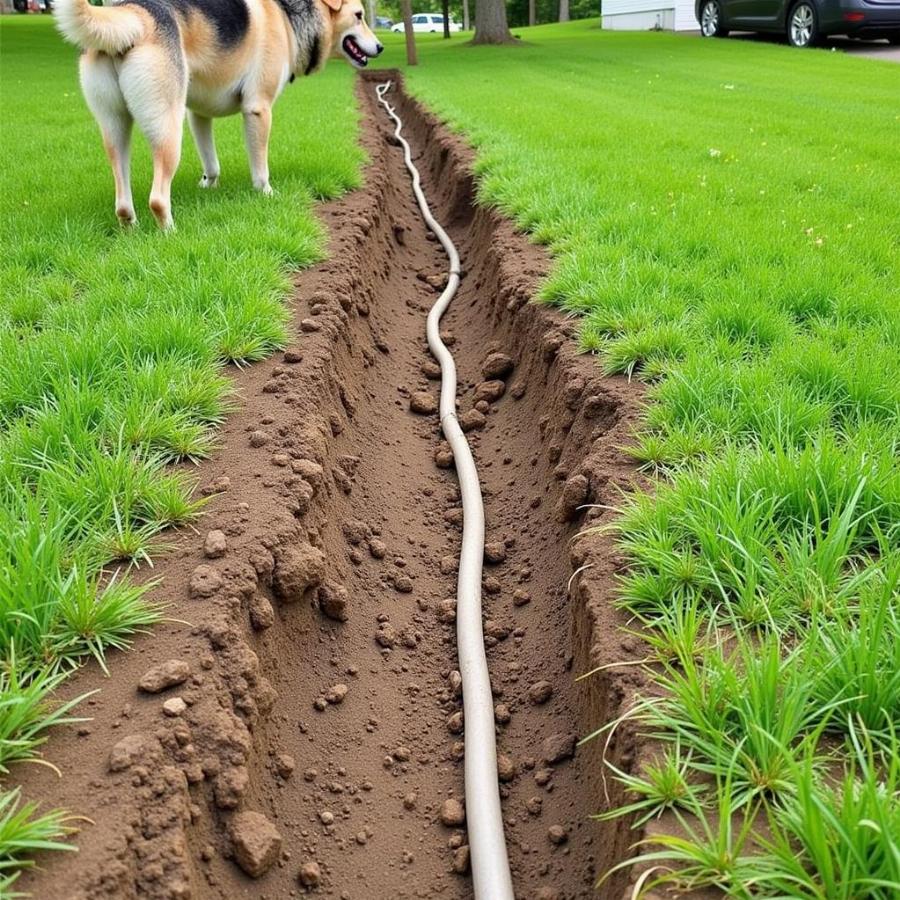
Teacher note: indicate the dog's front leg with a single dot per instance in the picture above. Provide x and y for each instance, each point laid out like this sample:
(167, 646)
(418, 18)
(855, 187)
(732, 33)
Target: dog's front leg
(257, 124)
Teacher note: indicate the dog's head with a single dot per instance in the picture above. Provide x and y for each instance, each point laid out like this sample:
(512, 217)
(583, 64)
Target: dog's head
(353, 39)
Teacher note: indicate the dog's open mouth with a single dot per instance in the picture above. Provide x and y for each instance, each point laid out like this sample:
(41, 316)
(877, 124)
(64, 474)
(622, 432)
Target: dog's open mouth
(354, 51)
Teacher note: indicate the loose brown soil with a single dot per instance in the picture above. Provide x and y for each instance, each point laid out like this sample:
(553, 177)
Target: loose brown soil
(310, 734)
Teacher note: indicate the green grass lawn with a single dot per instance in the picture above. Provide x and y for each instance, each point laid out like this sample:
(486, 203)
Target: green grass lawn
(725, 220)
(112, 348)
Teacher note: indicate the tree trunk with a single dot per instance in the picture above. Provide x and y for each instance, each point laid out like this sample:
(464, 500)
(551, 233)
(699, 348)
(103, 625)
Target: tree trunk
(490, 23)
(465, 15)
(406, 11)
(563, 10)
(370, 16)
(445, 9)
(532, 16)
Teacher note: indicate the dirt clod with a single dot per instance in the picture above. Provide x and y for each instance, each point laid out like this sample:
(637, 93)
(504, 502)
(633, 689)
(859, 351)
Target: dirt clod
(506, 768)
(164, 675)
(386, 636)
(297, 568)
(447, 610)
(336, 694)
(310, 471)
(443, 456)
(256, 842)
(497, 365)
(461, 860)
(205, 581)
(540, 692)
(453, 814)
(215, 544)
(521, 597)
(559, 747)
(423, 403)
(575, 494)
(262, 614)
(491, 391)
(333, 599)
(310, 875)
(472, 420)
(174, 707)
(356, 532)
(129, 750)
(284, 765)
(495, 552)
(556, 834)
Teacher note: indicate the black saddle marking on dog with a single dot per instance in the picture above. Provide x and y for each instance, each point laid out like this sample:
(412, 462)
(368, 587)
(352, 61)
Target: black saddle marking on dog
(162, 14)
(230, 18)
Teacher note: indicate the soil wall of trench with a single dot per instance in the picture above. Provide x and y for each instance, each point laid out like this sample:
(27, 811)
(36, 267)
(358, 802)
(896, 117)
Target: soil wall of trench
(297, 728)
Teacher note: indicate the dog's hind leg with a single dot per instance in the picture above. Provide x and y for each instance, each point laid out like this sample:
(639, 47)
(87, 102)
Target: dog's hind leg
(153, 82)
(257, 125)
(100, 84)
(166, 156)
(201, 127)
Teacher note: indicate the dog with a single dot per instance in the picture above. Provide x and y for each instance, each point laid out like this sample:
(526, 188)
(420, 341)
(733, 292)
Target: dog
(149, 61)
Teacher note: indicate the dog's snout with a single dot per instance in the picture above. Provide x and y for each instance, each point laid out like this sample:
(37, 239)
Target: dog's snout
(378, 48)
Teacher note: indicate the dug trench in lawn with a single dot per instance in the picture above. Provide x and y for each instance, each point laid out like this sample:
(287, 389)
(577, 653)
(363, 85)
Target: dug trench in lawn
(303, 732)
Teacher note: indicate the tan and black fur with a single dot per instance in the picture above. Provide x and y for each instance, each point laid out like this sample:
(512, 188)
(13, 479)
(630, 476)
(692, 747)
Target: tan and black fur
(148, 61)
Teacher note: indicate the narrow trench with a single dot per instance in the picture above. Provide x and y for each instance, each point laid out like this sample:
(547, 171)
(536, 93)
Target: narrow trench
(355, 758)
(378, 767)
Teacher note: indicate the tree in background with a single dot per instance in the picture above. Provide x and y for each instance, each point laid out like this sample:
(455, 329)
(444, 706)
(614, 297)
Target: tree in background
(517, 11)
(563, 10)
(412, 57)
(490, 23)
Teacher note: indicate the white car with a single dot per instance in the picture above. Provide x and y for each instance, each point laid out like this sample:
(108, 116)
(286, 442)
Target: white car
(428, 22)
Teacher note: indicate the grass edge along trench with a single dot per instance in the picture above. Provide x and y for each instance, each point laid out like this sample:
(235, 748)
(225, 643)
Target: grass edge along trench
(113, 355)
(720, 224)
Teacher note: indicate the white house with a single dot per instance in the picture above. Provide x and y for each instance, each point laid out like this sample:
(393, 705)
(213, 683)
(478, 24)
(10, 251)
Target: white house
(648, 15)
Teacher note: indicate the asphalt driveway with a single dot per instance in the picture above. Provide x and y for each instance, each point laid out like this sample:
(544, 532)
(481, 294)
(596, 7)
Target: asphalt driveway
(872, 49)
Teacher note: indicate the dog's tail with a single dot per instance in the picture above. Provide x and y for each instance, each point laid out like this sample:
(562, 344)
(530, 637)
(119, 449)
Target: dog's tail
(112, 29)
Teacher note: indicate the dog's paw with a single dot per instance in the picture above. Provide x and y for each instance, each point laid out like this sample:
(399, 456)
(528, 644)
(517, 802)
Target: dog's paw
(126, 217)
(266, 190)
(208, 181)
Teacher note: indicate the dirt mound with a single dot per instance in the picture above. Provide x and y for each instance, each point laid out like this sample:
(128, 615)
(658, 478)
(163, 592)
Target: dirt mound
(300, 723)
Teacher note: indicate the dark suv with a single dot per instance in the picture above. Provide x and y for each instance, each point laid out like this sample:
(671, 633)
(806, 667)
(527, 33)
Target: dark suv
(804, 22)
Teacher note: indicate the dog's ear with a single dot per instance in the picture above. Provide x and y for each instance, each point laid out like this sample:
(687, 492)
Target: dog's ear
(334, 4)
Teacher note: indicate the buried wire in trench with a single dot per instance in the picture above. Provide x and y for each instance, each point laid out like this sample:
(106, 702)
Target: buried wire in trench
(490, 864)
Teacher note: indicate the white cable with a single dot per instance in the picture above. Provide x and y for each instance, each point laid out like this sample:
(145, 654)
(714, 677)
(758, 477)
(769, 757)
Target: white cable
(490, 865)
